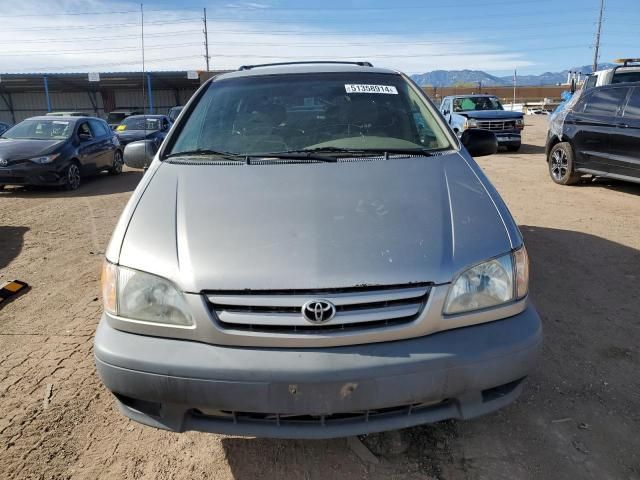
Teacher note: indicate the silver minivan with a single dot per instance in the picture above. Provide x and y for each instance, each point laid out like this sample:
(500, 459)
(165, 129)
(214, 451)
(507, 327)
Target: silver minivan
(313, 253)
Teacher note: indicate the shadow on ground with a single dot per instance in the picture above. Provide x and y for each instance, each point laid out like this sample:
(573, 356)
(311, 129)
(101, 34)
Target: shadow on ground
(616, 185)
(529, 149)
(102, 184)
(11, 241)
(586, 291)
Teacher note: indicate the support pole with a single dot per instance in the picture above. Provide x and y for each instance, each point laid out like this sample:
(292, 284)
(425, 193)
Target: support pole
(597, 47)
(150, 93)
(206, 39)
(46, 93)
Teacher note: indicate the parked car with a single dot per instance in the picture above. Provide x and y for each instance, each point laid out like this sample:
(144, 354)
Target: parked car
(174, 112)
(599, 134)
(4, 127)
(627, 71)
(65, 114)
(141, 127)
(115, 117)
(57, 151)
(463, 112)
(313, 253)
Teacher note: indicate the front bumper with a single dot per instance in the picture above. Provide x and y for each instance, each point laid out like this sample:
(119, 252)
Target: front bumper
(29, 173)
(318, 392)
(509, 138)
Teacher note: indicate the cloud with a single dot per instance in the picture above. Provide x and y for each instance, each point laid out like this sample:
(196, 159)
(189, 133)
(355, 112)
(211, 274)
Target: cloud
(174, 41)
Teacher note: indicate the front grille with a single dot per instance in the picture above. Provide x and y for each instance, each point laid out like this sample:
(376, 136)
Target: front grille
(280, 311)
(497, 125)
(279, 419)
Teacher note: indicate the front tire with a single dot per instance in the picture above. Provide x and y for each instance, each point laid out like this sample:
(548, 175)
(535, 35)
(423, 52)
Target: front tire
(561, 166)
(72, 177)
(116, 168)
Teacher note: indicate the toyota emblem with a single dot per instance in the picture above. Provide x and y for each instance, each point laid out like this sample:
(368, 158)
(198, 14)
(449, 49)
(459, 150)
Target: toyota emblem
(318, 311)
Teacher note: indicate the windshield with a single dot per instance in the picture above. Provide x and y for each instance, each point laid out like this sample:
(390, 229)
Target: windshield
(467, 104)
(269, 114)
(41, 130)
(140, 123)
(116, 117)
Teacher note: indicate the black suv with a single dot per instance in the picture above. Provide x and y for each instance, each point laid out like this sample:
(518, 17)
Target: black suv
(598, 135)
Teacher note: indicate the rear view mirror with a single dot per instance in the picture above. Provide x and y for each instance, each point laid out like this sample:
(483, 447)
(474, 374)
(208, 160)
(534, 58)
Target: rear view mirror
(479, 142)
(140, 154)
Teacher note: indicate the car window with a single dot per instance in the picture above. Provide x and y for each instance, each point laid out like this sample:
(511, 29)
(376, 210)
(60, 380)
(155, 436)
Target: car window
(41, 130)
(624, 77)
(604, 102)
(84, 130)
(632, 110)
(268, 114)
(97, 128)
(591, 82)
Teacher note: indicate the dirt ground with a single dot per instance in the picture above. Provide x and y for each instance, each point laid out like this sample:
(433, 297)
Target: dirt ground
(579, 416)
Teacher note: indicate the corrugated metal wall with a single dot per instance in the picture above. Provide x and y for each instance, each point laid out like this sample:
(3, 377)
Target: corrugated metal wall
(30, 104)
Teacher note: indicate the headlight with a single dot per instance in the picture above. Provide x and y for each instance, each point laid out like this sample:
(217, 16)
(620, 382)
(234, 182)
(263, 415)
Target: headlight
(470, 123)
(489, 284)
(136, 295)
(519, 123)
(45, 158)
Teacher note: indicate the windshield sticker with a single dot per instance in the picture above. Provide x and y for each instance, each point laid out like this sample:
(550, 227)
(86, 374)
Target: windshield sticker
(358, 88)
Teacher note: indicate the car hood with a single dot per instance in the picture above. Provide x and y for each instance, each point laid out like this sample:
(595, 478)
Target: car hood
(318, 225)
(491, 114)
(19, 149)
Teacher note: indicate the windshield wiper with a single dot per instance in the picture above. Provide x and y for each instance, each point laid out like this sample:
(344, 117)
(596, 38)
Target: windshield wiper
(363, 151)
(236, 157)
(295, 155)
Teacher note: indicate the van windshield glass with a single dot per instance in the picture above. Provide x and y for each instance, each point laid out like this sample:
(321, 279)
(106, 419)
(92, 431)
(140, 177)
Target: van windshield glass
(468, 104)
(278, 113)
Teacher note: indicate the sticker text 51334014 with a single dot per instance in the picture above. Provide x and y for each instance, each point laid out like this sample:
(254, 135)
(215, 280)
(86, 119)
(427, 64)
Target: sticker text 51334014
(383, 89)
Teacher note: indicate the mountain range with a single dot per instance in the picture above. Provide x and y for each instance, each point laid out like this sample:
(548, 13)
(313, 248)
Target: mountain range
(446, 78)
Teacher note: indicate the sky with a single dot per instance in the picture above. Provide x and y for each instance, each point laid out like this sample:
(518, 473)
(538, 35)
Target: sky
(414, 36)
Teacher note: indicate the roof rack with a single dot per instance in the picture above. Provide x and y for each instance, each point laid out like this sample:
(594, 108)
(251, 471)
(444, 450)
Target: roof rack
(323, 62)
(626, 61)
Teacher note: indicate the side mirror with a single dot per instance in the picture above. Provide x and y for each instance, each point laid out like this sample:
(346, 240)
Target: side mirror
(446, 112)
(140, 154)
(479, 142)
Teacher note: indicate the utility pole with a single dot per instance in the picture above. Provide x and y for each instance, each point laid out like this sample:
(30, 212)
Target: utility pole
(206, 39)
(515, 83)
(144, 99)
(597, 49)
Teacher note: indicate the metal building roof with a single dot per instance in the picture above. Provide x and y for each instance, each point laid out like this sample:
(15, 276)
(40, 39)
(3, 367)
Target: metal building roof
(68, 82)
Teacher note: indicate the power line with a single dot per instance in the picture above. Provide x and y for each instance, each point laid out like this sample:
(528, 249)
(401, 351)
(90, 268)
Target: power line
(101, 25)
(99, 50)
(116, 37)
(111, 64)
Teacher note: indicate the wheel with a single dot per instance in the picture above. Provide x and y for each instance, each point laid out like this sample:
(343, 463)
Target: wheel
(72, 177)
(513, 148)
(116, 168)
(561, 165)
